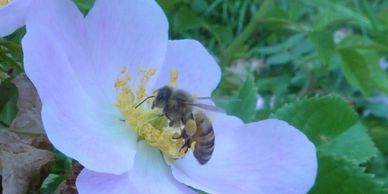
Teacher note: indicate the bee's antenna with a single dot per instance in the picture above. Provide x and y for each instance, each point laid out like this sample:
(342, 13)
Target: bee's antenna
(144, 101)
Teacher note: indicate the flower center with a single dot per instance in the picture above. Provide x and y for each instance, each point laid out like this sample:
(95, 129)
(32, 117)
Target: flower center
(147, 123)
(4, 2)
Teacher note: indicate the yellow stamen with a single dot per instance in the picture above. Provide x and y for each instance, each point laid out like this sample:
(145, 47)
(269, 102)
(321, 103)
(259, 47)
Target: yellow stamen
(173, 78)
(147, 74)
(148, 124)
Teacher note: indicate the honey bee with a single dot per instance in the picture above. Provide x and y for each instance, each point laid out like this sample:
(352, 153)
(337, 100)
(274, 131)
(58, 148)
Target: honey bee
(178, 107)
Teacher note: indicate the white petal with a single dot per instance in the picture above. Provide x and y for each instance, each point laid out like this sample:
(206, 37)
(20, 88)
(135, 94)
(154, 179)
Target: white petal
(267, 157)
(77, 122)
(13, 16)
(150, 175)
(131, 33)
(198, 72)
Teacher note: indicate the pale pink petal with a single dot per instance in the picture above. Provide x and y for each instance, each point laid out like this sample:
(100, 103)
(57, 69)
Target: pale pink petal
(267, 157)
(132, 33)
(198, 72)
(90, 182)
(76, 122)
(13, 16)
(64, 24)
(116, 33)
(150, 175)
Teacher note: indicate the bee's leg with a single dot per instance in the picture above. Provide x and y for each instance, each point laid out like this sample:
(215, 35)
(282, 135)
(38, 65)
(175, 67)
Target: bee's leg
(171, 123)
(184, 135)
(190, 128)
(183, 120)
(187, 145)
(164, 114)
(187, 118)
(188, 132)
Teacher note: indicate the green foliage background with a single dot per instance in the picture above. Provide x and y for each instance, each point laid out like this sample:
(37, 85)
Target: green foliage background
(316, 64)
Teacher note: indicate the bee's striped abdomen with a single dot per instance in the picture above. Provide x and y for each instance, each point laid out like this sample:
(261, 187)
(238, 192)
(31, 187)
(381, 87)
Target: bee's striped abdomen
(204, 138)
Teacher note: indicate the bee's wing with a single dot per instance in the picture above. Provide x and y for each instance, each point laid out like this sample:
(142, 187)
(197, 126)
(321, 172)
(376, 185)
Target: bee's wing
(206, 107)
(219, 98)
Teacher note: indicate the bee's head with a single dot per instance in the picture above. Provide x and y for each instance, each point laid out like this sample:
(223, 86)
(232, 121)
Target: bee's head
(162, 96)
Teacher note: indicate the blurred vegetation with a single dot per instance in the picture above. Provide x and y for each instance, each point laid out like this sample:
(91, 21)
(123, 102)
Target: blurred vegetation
(321, 65)
(298, 49)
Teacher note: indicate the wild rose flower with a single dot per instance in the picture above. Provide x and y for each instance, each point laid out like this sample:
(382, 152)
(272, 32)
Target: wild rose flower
(12, 15)
(90, 73)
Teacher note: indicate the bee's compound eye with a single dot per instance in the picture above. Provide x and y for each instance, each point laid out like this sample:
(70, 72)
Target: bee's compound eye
(161, 95)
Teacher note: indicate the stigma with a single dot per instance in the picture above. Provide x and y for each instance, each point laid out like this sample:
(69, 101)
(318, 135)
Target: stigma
(4, 2)
(149, 125)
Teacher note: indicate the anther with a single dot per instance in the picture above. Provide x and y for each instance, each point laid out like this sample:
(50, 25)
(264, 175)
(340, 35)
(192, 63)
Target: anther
(173, 78)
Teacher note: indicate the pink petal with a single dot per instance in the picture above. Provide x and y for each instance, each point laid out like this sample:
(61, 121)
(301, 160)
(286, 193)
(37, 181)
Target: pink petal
(263, 157)
(149, 175)
(93, 182)
(126, 33)
(99, 141)
(198, 72)
(62, 22)
(78, 124)
(13, 16)
(116, 33)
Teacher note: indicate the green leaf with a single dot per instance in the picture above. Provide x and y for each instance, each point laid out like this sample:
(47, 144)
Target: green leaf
(289, 43)
(294, 40)
(320, 118)
(363, 74)
(337, 14)
(9, 111)
(340, 176)
(60, 170)
(379, 134)
(8, 98)
(7, 91)
(359, 42)
(51, 183)
(62, 164)
(324, 43)
(279, 58)
(84, 5)
(221, 33)
(169, 6)
(354, 144)
(199, 6)
(271, 49)
(186, 19)
(245, 107)
(303, 47)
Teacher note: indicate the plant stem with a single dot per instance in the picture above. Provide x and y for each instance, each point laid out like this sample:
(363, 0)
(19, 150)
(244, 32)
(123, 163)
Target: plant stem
(307, 85)
(246, 33)
(24, 132)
